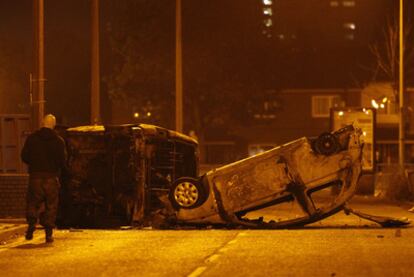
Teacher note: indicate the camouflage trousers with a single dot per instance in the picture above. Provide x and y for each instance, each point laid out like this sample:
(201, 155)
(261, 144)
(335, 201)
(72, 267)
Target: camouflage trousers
(42, 201)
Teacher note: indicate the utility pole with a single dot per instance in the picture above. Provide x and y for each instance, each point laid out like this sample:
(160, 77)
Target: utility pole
(38, 101)
(95, 76)
(401, 133)
(178, 69)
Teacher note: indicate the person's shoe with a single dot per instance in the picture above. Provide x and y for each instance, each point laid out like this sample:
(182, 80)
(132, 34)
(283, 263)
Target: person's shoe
(49, 235)
(30, 231)
(49, 239)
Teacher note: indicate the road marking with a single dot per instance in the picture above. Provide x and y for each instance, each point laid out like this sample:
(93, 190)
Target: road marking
(8, 245)
(198, 271)
(224, 249)
(233, 241)
(212, 258)
(20, 241)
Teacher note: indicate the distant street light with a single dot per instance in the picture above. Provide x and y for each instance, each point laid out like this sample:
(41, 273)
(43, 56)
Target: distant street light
(379, 102)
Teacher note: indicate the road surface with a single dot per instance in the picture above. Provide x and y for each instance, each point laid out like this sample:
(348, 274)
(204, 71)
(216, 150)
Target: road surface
(338, 246)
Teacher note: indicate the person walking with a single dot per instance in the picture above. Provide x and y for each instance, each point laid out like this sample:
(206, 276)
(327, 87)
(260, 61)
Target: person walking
(45, 154)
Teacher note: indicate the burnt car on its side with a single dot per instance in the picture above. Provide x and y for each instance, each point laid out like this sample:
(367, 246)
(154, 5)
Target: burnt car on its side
(118, 174)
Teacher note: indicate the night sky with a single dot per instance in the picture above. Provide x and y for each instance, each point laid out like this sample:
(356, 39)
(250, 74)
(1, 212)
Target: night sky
(227, 33)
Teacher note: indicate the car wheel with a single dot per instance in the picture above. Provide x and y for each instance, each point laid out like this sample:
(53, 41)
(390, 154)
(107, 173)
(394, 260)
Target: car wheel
(187, 193)
(326, 144)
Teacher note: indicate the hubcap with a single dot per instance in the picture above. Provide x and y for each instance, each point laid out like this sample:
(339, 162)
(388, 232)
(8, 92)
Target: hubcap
(186, 194)
(327, 144)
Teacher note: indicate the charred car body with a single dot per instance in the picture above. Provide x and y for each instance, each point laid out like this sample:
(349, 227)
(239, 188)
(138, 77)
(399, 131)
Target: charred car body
(116, 174)
(147, 175)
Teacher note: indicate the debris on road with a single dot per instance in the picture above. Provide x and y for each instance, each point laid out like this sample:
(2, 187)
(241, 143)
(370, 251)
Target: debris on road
(398, 233)
(125, 227)
(384, 221)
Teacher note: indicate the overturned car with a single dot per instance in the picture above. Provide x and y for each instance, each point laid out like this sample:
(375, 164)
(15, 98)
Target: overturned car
(148, 176)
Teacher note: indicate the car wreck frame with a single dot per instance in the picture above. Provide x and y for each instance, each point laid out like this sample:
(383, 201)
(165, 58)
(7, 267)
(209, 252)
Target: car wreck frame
(146, 175)
(117, 173)
(291, 172)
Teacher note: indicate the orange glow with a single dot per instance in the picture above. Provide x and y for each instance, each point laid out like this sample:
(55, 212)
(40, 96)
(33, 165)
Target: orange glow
(374, 104)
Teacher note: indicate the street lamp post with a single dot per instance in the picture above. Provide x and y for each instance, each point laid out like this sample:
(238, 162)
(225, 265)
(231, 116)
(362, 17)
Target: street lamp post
(38, 102)
(95, 78)
(401, 88)
(178, 70)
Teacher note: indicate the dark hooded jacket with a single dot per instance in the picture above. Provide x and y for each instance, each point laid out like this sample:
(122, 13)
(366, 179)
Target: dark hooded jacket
(45, 153)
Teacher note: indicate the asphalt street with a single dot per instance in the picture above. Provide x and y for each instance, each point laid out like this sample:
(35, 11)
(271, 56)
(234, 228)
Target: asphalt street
(338, 246)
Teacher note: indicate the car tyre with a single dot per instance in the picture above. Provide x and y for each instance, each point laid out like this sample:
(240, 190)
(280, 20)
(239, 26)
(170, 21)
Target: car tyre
(326, 144)
(187, 193)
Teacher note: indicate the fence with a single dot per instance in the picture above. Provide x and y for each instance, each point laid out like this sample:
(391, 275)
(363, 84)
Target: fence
(394, 182)
(13, 131)
(14, 128)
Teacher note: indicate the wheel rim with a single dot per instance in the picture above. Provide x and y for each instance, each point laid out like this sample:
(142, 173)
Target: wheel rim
(186, 194)
(326, 144)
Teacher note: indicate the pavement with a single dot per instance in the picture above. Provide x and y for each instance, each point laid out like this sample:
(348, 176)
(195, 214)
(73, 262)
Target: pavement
(12, 228)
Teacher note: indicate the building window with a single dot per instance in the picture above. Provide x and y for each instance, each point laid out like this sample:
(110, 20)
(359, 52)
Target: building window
(267, 17)
(268, 22)
(334, 3)
(348, 4)
(349, 26)
(267, 11)
(349, 36)
(322, 104)
(255, 149)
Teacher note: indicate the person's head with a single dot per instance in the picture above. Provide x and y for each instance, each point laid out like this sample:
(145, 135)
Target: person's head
(49, 121)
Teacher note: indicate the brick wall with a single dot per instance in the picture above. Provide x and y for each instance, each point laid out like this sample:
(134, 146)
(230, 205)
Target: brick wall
(13, 195)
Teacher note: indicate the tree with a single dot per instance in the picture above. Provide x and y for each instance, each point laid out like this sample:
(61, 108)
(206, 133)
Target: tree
(215, 98)
(386, 54)
(139, 74)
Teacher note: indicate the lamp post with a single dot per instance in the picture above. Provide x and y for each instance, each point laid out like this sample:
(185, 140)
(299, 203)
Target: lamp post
(178, 70)
(38, 102)
(401, 89)
(95, 80)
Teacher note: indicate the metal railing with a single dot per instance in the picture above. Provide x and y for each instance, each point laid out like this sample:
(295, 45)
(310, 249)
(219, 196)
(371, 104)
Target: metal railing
(393, 181)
